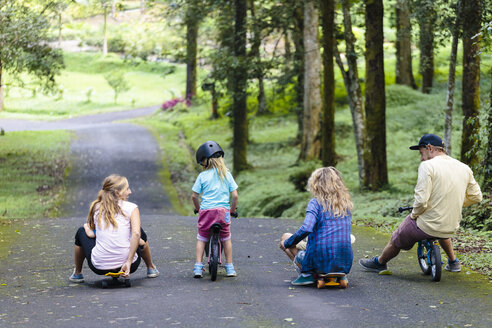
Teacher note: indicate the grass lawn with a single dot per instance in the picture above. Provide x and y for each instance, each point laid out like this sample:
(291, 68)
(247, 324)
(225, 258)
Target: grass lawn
(33, 166)
(85, 90)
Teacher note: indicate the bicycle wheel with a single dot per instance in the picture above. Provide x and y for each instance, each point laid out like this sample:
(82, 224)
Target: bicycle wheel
(214, 258)
(436, 263)
(423, 259)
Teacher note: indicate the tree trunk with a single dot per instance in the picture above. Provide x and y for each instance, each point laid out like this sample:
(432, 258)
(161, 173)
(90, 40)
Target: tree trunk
(256, 59)
(352, 85)
(471, 82)
(215, 104)
(487, 183)
(1, 86)
(60, 26)
(142, 7)
(376, 174)
(404, 72)
(328, 155)
(105, 40)
(299, 66)
(240, 78)
(426, 21)
(311, 136)
(448, 120)
(113, 8)
(192, 24)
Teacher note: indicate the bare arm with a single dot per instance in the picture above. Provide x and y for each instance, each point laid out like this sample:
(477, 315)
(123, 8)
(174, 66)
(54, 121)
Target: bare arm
(134, 239)
(88, 231)
(234, 201)
(196, 202)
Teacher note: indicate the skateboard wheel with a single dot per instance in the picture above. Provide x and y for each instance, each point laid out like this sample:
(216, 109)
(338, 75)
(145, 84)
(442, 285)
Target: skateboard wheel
(321, 283)
(128, 283)
(104, 284)
(343, 283)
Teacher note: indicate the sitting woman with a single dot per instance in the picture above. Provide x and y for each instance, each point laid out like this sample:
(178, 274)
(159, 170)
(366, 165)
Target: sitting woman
(327, 224)
(112, 240)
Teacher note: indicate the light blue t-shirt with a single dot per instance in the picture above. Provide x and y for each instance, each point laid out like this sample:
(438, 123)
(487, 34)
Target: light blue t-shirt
(215, 193)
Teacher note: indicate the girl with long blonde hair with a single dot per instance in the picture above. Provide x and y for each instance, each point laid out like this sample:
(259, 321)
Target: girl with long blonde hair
(211, 194)
(327, 223)
(112, 240)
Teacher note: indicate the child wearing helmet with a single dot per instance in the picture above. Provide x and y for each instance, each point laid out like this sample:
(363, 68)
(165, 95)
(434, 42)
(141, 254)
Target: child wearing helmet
(211, 192)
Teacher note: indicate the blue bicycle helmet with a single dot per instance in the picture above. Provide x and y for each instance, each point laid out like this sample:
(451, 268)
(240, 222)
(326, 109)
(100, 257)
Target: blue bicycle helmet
(209, 149)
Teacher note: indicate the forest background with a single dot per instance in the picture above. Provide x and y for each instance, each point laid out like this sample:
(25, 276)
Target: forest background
(284, 86)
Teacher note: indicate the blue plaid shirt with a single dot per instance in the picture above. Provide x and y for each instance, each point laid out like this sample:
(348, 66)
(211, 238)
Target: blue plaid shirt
(328, 247)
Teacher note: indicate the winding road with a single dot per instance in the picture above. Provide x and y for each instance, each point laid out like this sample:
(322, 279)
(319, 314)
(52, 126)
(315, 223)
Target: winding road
(35, 291)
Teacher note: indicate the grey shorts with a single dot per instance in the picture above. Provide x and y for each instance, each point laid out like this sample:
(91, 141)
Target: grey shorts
(408, 234)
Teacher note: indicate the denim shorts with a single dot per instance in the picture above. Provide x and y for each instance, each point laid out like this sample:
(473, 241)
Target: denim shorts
(299, 257)
(407, 234)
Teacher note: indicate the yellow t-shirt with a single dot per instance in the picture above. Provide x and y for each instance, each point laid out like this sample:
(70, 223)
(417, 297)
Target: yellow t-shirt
(444, 186)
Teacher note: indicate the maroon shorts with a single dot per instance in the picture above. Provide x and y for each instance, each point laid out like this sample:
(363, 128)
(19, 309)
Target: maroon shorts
(208, 217)
(407, 234)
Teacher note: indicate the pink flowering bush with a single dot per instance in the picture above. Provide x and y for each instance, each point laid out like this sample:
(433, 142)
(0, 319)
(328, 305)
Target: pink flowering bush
(173, 102)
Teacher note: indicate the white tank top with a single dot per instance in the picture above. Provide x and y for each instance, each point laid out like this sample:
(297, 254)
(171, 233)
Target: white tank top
(113, 244)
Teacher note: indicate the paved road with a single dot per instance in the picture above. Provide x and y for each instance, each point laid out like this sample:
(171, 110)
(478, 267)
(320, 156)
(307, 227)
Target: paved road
(34, 290)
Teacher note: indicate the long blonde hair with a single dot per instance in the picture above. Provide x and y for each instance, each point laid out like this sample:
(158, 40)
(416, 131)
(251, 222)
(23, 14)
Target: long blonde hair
(107, 201)
(326, 185)
(219, 165)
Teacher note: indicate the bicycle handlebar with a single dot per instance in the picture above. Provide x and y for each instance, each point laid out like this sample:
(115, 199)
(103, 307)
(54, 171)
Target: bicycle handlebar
(403, 209)
(234, 215)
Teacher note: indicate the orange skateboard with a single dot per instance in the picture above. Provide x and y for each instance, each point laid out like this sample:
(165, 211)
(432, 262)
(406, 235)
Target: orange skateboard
(332, 279)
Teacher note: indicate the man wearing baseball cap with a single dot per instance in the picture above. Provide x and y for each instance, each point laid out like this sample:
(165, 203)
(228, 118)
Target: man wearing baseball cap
(444, 186)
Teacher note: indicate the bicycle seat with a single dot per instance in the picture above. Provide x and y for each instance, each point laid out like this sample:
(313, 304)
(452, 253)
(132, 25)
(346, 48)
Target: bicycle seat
(216, 226)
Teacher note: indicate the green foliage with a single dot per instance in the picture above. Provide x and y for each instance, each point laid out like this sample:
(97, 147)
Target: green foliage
(479, 216)
(32, 170)
(301, 175)
(23, 35)
(117, 82)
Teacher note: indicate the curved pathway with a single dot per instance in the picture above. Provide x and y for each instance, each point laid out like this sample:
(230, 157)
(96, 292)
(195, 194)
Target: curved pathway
(34, 290)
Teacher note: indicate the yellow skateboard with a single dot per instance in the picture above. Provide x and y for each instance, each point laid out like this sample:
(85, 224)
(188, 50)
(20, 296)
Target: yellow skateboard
(115, 276)
(332, 279)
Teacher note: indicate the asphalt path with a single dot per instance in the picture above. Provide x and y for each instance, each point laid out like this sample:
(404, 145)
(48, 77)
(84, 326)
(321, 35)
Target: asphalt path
(35, 291)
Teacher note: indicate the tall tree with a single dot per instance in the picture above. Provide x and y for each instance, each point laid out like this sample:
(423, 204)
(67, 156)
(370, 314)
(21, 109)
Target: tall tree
(328, 118)
(487, 183)
(352, 85)
(376, 174)
(311, 134)
(404, 71)
(192, 21)
(448, 120)
(426, 17)
(471, 81)
(299, 63)
(24, 27)
(240, 81)
(256, 60)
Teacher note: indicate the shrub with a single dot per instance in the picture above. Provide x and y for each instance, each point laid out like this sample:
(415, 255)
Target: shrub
(479, 216)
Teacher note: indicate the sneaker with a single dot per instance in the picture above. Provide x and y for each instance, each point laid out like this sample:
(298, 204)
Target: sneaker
(152, 272)
(453, 266)
(371, 265)
(302, 281)
(230, 272)
(198, 270)
(78, 278)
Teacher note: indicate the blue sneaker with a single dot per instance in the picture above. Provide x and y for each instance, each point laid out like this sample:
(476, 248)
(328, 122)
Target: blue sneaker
(152, 272)
(302, 281)
(77, 278)
(198, 270)
(230, 272)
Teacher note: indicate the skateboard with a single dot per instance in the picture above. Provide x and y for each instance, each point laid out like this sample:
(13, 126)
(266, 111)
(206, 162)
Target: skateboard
(332, 279)
(115, 275)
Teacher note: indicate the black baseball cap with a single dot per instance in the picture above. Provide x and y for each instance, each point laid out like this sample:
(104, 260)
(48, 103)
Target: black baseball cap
(428, 139)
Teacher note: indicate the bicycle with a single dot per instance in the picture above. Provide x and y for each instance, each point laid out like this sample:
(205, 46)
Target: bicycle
(213, 248)
(428, 254)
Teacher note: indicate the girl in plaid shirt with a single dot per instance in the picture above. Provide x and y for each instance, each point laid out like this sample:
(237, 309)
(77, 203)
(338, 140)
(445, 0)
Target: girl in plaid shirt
(327, 224)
